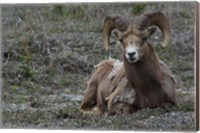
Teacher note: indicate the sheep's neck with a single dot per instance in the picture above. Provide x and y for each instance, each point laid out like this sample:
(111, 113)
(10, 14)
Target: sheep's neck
(145, 75)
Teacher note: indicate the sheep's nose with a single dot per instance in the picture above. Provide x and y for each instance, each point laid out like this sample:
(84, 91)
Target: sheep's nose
(131, 54)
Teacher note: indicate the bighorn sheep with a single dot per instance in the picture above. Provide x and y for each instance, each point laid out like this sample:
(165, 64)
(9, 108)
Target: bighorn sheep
(142, 80)
(142, 66)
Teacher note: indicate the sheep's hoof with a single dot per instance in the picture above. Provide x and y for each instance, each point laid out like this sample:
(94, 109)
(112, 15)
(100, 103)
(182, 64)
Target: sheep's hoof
(98, 111)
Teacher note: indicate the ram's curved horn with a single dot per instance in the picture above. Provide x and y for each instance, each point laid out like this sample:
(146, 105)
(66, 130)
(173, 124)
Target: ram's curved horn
(113, 22)
(156, 18)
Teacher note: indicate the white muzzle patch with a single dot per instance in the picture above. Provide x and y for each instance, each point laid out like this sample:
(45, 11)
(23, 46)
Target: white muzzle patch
(132, 53)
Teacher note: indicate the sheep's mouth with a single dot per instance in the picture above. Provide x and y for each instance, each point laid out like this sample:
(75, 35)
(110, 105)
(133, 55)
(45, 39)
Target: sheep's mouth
(132, 59)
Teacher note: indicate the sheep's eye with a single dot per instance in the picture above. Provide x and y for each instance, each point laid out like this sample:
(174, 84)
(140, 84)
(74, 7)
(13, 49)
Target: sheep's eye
(144, 39)
(121, 40)
(141, 29)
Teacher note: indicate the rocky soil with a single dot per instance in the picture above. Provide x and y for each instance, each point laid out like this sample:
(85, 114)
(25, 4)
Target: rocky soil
(49, 53)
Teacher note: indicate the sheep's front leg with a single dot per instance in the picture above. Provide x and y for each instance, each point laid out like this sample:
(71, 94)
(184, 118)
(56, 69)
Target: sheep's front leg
(90, 95)
(100, 108)
(120, 88)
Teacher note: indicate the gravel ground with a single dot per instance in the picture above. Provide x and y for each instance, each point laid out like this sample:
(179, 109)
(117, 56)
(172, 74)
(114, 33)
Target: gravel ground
(177, 121)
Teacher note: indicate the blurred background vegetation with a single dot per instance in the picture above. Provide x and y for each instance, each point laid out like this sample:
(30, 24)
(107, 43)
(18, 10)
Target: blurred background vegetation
(49, 52)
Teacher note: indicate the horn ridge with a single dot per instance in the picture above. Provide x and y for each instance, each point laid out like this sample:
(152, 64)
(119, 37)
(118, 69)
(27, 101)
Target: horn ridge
(111, 23)
(159, 19)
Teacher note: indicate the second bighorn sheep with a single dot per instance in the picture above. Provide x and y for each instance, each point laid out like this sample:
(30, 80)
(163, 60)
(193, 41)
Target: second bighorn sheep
(142, 66)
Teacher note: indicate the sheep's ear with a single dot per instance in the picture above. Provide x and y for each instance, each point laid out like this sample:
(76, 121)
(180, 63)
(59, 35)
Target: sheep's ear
(118, 35)
(151, 31)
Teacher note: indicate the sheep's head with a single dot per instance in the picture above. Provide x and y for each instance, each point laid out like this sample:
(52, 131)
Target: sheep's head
(134, 42)
(134, 36)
